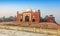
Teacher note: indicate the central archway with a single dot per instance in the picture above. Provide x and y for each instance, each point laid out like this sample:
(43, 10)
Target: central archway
(26, 18)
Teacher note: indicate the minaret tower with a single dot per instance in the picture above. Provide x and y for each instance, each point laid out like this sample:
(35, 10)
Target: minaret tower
(17, 16)
(17, 12)
(39, 14)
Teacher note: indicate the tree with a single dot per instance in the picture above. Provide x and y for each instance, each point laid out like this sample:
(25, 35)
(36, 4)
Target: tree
(42, 19)
(46, 18)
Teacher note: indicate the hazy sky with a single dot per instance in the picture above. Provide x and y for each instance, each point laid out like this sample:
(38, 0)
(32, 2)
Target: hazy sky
(47, 7)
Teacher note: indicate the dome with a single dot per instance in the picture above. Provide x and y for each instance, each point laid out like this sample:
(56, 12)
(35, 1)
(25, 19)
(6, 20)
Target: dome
(29, 10)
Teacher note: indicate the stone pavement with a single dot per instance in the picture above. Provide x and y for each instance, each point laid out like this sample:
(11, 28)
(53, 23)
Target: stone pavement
(4, 32)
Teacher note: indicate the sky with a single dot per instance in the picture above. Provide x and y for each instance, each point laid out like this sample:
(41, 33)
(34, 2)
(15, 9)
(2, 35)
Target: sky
(47, 7)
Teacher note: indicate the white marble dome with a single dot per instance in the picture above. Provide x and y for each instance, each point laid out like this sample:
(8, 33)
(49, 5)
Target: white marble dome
(28, 10)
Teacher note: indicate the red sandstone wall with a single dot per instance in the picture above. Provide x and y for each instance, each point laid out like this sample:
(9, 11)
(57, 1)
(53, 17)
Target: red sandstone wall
(36, 16)
(19, 17)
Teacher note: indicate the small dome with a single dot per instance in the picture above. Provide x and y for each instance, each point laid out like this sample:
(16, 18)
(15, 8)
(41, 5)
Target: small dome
(29, 10)
(34, 10)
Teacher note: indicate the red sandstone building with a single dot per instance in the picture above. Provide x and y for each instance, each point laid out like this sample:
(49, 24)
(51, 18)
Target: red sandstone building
(32, 16)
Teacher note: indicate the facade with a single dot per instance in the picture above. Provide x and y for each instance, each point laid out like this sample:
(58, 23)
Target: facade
(33, 16)
(29, 16)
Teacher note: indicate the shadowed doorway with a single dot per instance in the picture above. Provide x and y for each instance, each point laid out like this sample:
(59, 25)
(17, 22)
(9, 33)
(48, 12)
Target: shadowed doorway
(33, 20)
(26, 18)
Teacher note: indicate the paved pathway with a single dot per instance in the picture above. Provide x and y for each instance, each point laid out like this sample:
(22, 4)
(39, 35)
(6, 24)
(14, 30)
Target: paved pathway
(4, 32)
